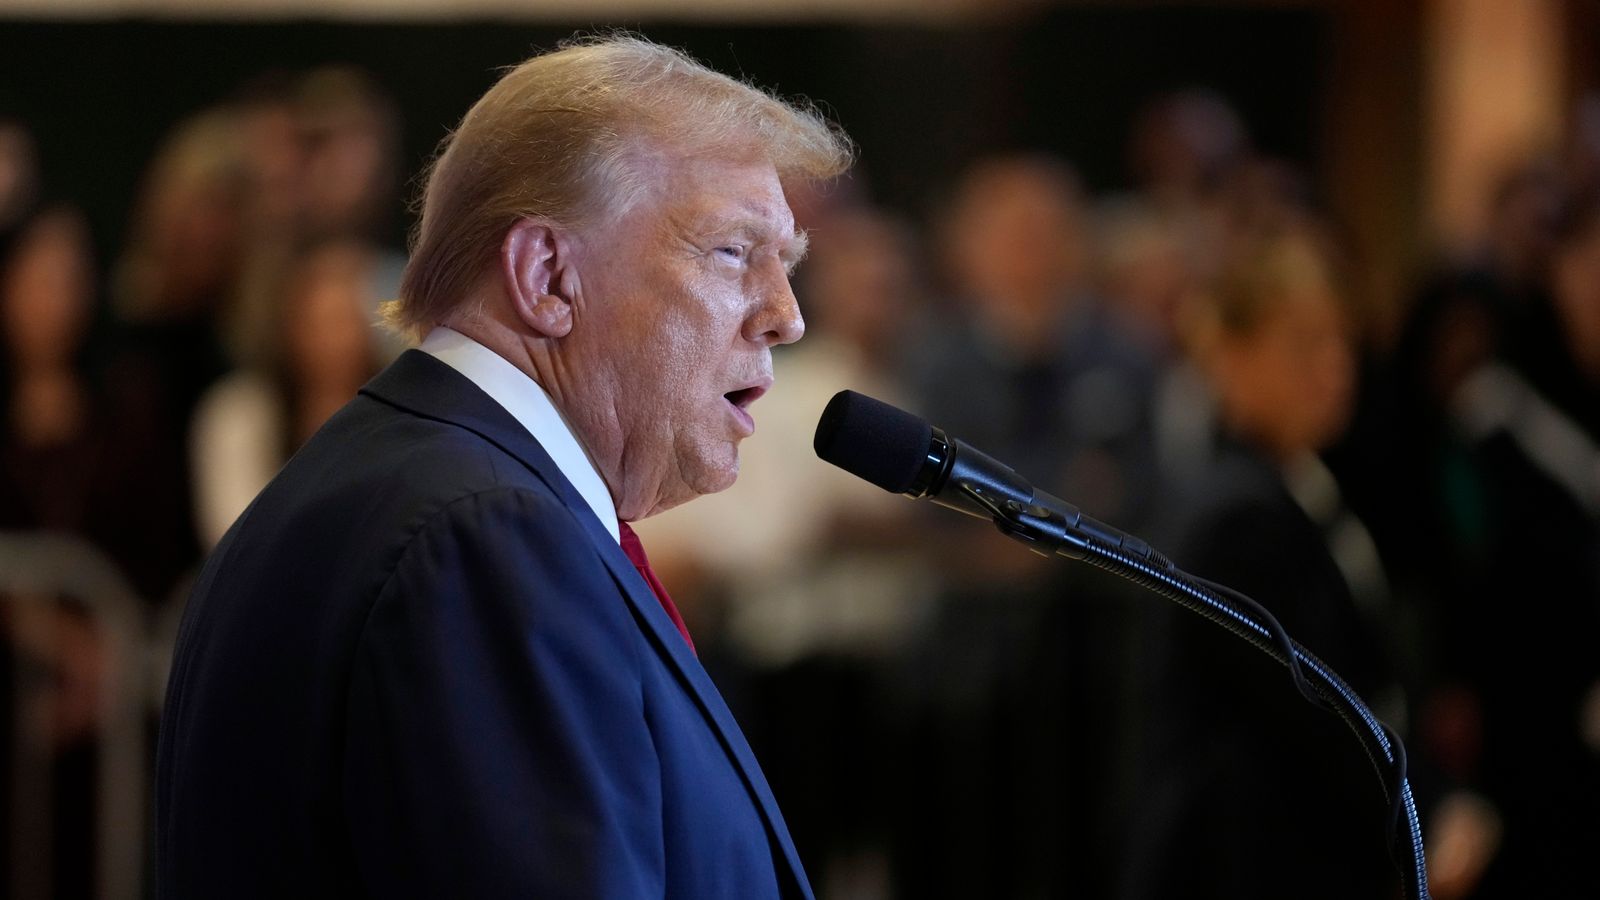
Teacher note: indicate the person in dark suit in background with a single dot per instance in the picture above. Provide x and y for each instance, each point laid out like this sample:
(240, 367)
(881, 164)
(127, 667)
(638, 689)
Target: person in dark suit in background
(1250, 790)
(430, 659)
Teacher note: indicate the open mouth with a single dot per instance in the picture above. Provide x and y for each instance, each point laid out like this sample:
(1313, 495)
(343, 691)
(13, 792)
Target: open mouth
(743, 397)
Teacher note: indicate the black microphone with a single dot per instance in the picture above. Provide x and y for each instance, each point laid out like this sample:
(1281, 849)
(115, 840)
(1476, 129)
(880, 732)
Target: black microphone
(903, 454)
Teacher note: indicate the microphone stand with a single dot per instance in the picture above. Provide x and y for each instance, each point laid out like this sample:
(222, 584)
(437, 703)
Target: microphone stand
(1050, 533)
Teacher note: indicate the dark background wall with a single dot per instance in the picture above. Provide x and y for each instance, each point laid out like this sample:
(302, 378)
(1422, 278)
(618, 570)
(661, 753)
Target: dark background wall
(921, 101)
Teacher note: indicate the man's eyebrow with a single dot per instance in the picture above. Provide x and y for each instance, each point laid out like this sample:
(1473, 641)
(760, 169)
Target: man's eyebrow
(792, 246)
(795, 248)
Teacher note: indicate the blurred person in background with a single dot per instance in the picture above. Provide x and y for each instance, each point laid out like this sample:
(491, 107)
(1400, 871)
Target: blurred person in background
(1506, 273)
(1575, 290)
(19, 175)
(273, 145)
(1028, 364)
(1146, 276)
(1157, 247)
(1251, 791)
(1514, 261)
(1183, 148)
(74, 462)
(1523, 641)
(351, 129)
(1582, 150)
(250, 422)
(324, 156)
(1480, 422)
(77, 456)
(1411, 468)
(178, 276)
(351, 134)
(178, 280)
(274, 141)
(1184, 152)
(1418, 480)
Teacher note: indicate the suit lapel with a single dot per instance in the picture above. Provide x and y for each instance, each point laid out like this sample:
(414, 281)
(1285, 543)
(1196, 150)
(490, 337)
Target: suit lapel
(423, 385)
(670, 643)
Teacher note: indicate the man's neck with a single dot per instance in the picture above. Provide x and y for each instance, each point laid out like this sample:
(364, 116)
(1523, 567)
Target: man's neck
(519, 392)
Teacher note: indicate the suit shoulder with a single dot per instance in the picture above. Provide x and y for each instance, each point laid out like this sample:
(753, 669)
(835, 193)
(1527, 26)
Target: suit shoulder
(345, 510)
(518, 556)
(390, 466)
(405, 440)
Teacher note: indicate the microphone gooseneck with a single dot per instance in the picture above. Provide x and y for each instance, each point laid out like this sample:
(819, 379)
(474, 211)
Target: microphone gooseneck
(903, 454)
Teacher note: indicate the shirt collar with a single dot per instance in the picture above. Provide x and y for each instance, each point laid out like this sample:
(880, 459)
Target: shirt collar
(527, 402)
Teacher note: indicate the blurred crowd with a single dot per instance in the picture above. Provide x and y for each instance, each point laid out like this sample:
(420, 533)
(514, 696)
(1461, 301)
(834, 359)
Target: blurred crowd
(147, 398)
(940, 712)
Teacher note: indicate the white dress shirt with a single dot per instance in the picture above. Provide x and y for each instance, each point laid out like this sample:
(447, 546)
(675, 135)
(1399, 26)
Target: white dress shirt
(527, 402)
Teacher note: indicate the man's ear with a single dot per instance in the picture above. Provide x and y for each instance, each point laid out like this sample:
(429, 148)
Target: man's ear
(537, 265)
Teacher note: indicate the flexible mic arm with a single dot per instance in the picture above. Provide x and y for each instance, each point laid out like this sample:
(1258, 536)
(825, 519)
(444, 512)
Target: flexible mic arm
(955, 475)
(988, 489)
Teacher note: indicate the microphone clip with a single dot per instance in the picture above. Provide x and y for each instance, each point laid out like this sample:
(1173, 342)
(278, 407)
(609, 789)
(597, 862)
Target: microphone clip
(1041, 529)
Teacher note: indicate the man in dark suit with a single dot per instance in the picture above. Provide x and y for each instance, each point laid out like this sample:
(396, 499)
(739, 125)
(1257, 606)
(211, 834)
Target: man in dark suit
(430, 659)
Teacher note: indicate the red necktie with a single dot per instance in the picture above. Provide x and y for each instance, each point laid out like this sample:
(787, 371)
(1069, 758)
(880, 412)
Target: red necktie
(635, 552)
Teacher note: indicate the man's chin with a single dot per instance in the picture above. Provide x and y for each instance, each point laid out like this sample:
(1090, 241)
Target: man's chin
(707, 479)
(719, 478)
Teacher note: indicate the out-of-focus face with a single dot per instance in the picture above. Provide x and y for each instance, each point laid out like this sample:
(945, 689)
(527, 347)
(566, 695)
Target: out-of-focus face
(1147, 278)
(275, 157)
(197, 233)
(45, 296)
(328, 340)
(1577, 299)
(1018, 242)
(18, 172)
(859, 279)
(682, 301)
(1289, 383)
(1185, 141)
(344, 169)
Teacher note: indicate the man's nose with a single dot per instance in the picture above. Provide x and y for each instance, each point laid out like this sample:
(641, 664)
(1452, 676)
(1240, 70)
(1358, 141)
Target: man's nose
(777, 320)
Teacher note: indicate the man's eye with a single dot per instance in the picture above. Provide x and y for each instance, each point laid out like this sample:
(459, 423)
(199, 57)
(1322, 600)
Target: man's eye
(735, 254)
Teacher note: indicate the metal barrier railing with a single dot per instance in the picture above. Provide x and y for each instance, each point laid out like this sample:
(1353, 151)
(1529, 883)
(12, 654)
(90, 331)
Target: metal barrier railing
(38, 572)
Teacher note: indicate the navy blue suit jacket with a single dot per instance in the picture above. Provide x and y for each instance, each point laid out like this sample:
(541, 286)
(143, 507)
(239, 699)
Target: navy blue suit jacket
(419, 666)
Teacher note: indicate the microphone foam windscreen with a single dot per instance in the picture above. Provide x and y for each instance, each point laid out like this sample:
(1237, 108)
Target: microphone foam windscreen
(873, 440)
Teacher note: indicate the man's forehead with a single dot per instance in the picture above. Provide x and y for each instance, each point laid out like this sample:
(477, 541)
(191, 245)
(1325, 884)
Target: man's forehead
(711, 181)
(754, 215)
(765, 217)
(701, 197)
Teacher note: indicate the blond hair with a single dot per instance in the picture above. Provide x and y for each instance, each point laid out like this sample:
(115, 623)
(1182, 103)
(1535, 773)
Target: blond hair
(1263, 273)
(558, 139)
(204, 160)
